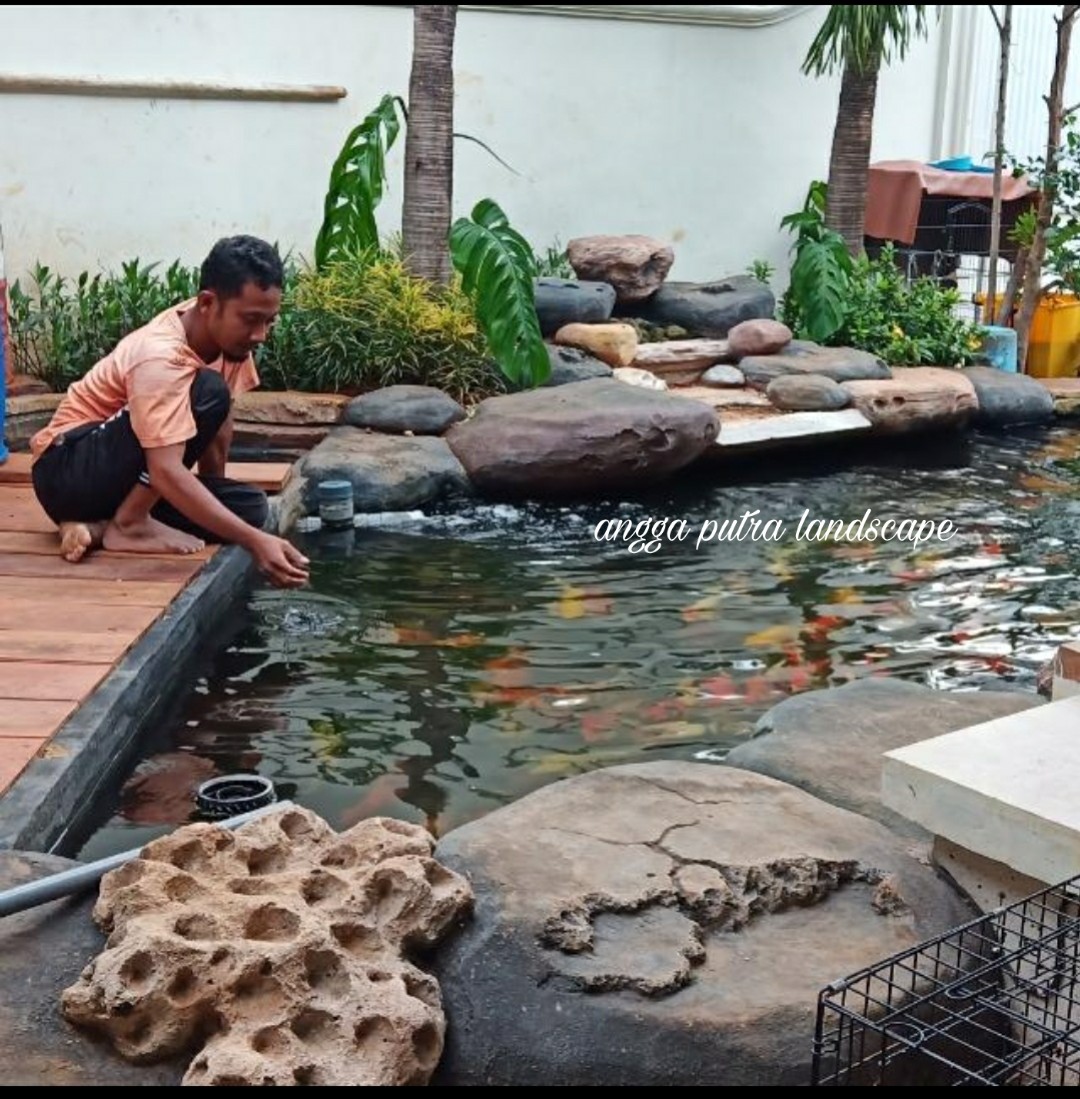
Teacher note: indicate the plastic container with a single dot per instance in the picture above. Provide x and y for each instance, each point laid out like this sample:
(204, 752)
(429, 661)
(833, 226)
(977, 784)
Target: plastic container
(999, 348)
(1054, 343)
(336, 504)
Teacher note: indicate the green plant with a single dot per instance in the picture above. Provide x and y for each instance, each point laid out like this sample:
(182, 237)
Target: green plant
(498, 267)
(553, 263)
(814, 305)
(363, 321)
(356, 186)
(762, 270)
(904, 323)
(61, 327)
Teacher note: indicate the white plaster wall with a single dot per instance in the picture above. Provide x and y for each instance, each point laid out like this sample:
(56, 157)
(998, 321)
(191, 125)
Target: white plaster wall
(702, 135)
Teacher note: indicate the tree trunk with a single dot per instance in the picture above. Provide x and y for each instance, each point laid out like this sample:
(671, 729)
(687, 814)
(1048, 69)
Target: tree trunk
(849, 162)
(1032, 285)
(1005, 37)
(429, 144)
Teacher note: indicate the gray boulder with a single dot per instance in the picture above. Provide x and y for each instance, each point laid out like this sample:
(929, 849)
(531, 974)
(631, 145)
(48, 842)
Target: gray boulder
(421, 409)
(387, 472)
(571, 364)
(1006, 398)
(830, 742)
(566, 301)
(807, 393)
(667, 924)
(841, 364)
(581, 438)
(709, 308)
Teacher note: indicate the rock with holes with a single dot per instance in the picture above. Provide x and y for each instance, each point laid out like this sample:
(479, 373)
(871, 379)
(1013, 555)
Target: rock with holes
(565, 301)
(668, 923)
(709, 308)
(281, 949)
(916, 398)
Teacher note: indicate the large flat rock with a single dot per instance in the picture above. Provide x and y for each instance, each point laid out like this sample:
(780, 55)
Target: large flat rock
(831, 743)
(581, 438)
(670, 924)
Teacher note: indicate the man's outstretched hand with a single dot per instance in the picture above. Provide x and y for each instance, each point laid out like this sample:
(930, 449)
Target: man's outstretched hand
(279, 561)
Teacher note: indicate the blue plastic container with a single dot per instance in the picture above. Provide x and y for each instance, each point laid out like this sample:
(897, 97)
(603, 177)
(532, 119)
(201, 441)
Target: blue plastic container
(999, 348)
(336, 504)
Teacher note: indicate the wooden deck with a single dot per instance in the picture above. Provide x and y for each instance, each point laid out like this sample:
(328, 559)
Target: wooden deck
(64, 627)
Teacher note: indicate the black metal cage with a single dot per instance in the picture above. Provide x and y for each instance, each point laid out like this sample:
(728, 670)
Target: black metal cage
(995, 1002)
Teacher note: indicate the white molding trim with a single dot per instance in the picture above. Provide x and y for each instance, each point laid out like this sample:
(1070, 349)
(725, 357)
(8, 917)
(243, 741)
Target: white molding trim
(716, 15)
(32, 84)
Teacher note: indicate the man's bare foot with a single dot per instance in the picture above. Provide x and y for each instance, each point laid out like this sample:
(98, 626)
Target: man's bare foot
(149, 536)
(77, 539)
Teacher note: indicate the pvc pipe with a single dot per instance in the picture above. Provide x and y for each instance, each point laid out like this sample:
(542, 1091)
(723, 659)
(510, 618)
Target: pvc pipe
(81, 878)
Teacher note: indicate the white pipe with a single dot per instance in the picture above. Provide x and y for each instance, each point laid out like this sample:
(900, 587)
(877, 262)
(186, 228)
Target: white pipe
(80, 878)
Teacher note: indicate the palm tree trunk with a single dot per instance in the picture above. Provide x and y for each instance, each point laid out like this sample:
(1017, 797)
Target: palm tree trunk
(849, 162)
(429, 144)
(1031, 290)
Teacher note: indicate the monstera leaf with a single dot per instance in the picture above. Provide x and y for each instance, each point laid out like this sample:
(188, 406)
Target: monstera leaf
(497, 267)
(356, 186)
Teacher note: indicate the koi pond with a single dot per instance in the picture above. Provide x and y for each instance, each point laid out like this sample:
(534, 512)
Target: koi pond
(447, 664)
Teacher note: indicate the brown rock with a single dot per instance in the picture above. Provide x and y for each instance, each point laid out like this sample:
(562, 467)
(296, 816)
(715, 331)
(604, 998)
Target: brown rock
(807, 393)
(614, 344)
(916, 398)
(285, 942)
(758, 337)
(289, 407)
(680, 362)
(263, 436)
(634, 265)
(580, 438)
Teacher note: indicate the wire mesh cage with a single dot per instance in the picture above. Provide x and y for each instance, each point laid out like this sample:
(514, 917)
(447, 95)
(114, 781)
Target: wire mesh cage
(995, 1002)
(952, 247)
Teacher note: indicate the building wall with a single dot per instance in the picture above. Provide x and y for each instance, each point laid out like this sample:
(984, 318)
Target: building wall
(700, 132)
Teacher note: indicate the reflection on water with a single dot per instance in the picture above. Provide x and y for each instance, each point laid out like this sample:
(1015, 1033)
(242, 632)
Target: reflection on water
(444, 665)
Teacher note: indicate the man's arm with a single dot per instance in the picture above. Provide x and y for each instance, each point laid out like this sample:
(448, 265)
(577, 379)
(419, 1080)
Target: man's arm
(277, 559)
(212, 462)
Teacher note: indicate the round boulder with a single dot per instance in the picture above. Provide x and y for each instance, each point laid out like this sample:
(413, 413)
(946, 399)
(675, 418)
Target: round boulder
(564, 301)
(419, 409)
(578, 439)
(807, 393)
(759, 337)
(667, 924)
(614, 344)
(634, 265)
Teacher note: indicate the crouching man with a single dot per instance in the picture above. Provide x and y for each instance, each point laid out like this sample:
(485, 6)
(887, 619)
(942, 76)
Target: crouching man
(116, 465)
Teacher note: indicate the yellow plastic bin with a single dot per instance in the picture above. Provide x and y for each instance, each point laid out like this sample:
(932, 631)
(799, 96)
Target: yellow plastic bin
(1054, 343)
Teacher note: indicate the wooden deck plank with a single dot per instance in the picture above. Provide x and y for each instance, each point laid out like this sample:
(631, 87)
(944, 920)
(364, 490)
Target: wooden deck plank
(20, 541)
(15, 754)
(269, 476)
(101, 566)
(26, 679)
(67, 648)
(33, 719)
(62, 617)
(78, 589)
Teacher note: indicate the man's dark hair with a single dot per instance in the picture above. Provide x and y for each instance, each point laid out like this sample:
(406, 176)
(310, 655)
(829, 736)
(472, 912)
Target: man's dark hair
(235, 261)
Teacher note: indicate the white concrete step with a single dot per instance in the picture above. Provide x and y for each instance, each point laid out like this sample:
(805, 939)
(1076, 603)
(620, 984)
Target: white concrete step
(1008, 789)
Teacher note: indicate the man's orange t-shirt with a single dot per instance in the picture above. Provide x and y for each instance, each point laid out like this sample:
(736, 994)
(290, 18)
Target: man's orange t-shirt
(150, 374)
